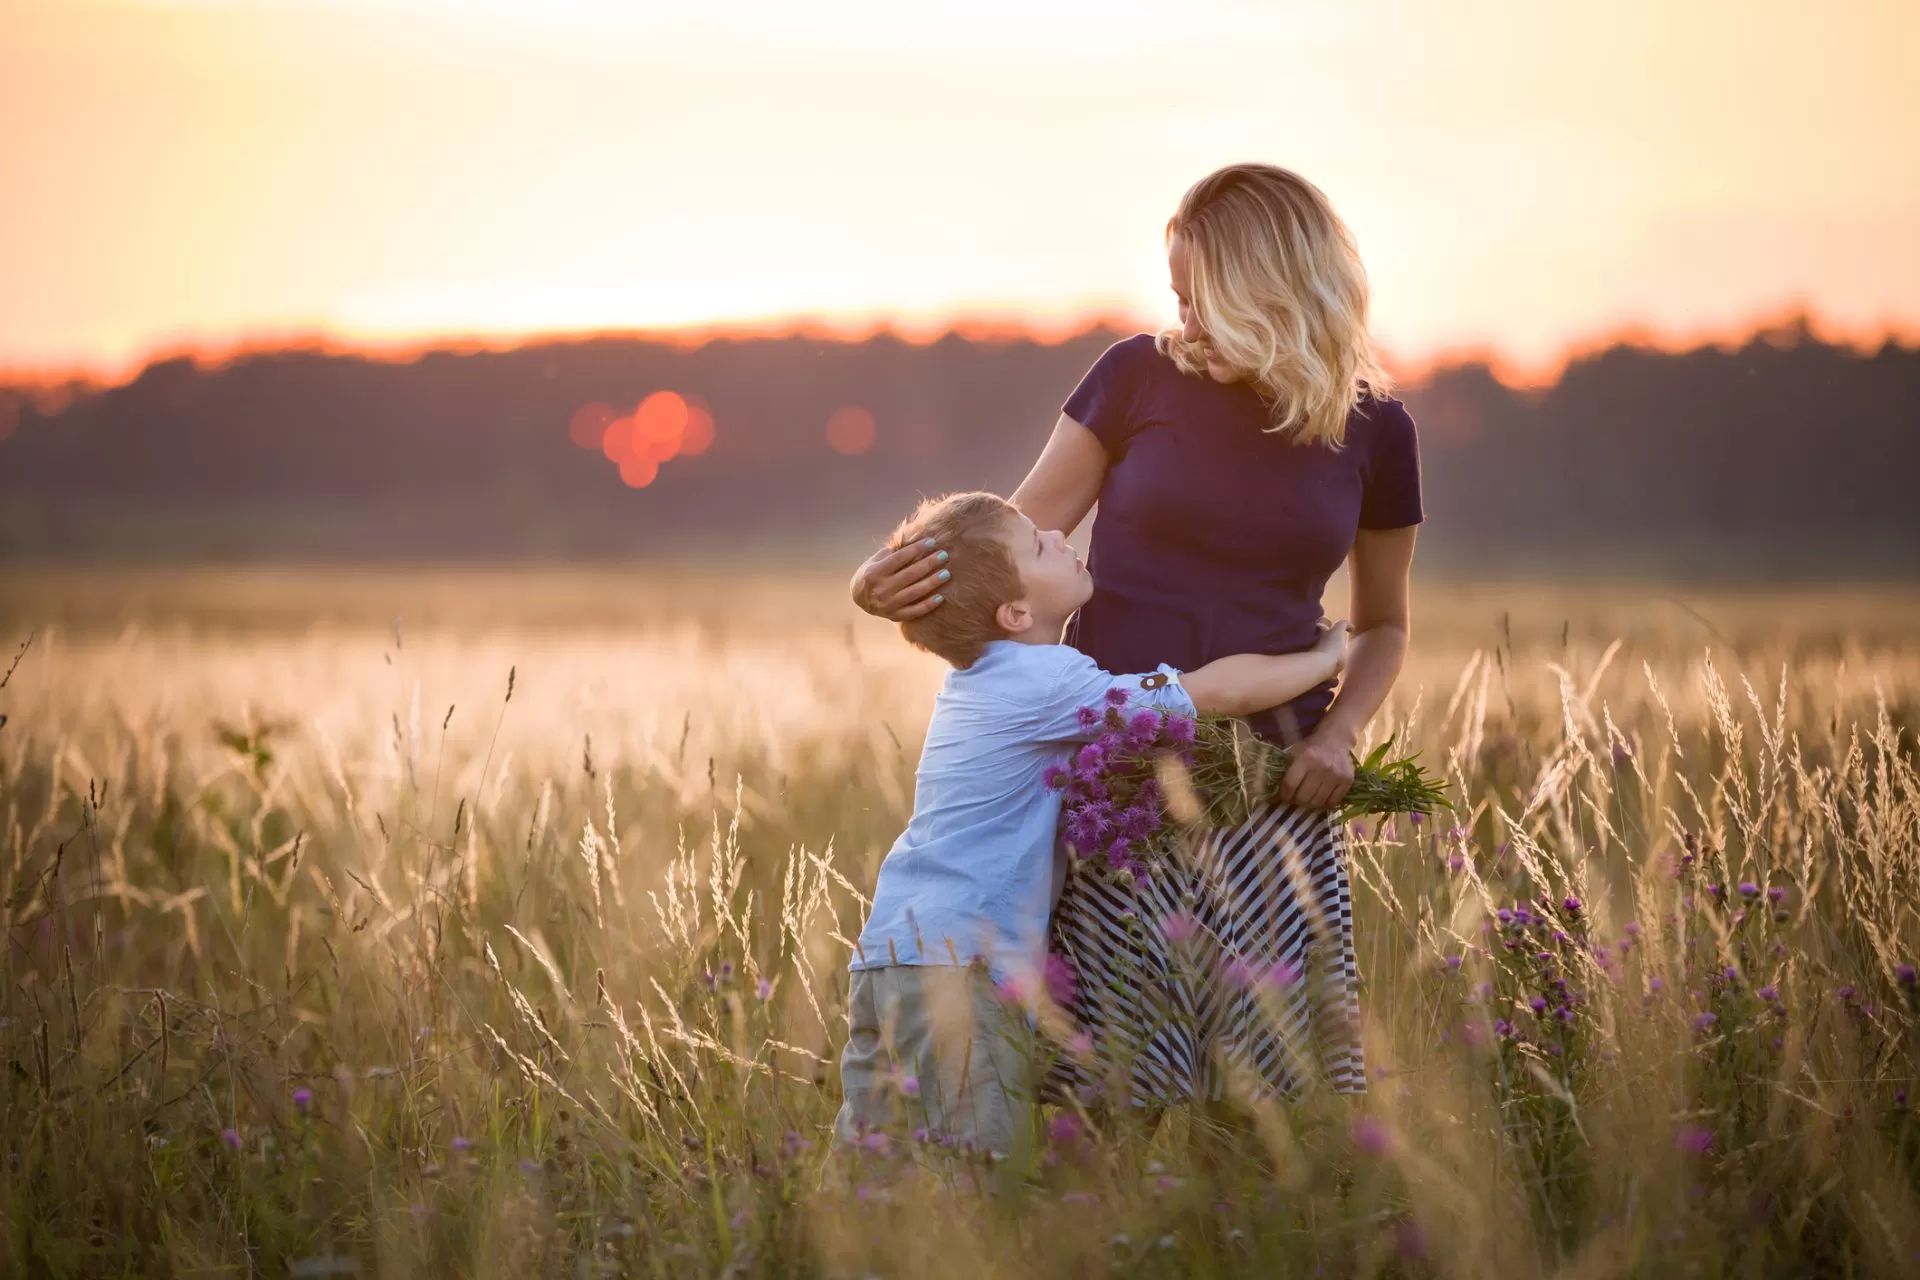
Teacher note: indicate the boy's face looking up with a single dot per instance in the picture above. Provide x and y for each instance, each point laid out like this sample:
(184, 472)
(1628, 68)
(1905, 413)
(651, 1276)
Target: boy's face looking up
(1053, 579)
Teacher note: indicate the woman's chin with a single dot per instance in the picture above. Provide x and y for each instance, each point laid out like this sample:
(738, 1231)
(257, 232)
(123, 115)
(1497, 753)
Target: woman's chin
(1220, 373)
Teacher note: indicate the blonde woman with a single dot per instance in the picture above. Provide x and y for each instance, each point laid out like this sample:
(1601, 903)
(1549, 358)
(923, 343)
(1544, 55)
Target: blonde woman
(1238, 461)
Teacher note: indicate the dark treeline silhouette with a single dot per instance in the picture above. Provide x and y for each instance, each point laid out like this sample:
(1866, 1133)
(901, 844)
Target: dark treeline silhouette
(1784, 455)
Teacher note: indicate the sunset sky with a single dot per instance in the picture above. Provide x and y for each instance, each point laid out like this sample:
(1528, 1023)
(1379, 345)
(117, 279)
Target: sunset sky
(1523, 177)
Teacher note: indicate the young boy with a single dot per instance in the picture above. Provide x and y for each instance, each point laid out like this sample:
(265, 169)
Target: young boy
(960, 908)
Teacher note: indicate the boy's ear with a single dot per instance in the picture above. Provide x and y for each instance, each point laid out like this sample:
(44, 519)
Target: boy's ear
(1014, 617)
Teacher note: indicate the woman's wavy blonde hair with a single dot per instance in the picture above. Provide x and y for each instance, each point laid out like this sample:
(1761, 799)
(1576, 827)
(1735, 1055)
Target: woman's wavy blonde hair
(1282, 296)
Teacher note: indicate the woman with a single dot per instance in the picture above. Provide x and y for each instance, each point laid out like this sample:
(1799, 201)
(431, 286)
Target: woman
(1238, 461)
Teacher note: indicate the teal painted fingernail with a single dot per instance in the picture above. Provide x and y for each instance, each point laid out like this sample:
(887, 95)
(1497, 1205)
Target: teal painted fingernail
(939, 599)
(942, 557)
(929, 541)
(944, 575)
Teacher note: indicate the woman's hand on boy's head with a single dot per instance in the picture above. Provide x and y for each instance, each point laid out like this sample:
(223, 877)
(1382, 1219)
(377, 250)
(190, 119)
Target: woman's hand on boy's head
(903, 583)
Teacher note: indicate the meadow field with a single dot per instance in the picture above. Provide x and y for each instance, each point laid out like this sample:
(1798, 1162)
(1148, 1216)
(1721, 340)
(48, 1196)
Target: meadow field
(479, 923)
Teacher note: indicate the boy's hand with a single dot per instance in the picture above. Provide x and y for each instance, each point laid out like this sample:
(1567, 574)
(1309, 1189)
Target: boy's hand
(1333, 641)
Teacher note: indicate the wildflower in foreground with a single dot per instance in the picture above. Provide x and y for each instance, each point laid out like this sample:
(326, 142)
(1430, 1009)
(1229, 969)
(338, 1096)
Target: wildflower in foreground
(1693, 1140)
(303, 1098)
(1705, 1021)
(1061, 981)
(231, 1137)
(1371, 1137)
(1179, 927)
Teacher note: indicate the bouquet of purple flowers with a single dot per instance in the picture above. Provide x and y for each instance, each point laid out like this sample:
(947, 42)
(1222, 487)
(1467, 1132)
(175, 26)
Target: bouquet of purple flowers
(1115, 805)
(1127, 792)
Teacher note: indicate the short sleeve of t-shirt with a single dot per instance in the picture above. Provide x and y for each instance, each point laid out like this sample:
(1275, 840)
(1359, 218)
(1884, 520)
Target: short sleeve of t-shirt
(1077, 697)
(1103, 403)
(1390, 495)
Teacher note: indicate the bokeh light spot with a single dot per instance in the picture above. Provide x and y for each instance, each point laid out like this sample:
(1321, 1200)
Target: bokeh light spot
(699, 436)
(658, 424)
(639, 471)
(617, 442)
(851, 431)
(589, 426)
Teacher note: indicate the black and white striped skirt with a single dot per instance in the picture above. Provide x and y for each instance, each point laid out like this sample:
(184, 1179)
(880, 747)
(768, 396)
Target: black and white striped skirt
(1230, 971)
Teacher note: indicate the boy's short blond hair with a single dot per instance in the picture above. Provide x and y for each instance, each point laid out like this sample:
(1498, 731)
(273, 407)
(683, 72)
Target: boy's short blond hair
(972, 528)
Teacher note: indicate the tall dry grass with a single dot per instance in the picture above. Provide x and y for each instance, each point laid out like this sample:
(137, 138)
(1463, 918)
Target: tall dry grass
(514, 942)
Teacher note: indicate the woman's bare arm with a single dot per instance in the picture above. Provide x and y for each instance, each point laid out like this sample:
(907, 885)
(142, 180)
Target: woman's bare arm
(1057, 494)
(1380, 604)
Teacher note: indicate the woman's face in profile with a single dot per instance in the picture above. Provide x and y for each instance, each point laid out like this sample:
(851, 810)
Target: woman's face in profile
(1180, 276)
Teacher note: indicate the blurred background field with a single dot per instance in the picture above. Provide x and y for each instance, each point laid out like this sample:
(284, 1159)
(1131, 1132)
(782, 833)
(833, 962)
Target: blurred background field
(324, 954)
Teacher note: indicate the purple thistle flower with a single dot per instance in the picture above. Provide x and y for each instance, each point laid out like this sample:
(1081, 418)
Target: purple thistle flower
(1504, 916)
(303, 1098)
(876, 1143)
(1502, 1028)
(1371, 1137)
(1571, 905)
(910, 1086)
(1283, 974)
(1904, 974)
(1416, 817)
(1748, 889)
(1537, 1004)
(1087, 718)
(231, 1137)
(1056, 777)
(1633, 928)
(460, 1144)
(1116, 697)
(1144, 725)
(1064, 1129)
(763, 989)
(1179, 927)
(1120, 853)
(1769, 993)
(1656, 983)
(1693, 1140)
(1453, 964)
(1241, 974)
(1179, 730)
(1776, 894)
(1705, 1021)
(1846, 994)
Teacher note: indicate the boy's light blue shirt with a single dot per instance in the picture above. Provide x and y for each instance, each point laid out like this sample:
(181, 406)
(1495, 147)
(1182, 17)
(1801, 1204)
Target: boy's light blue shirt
(974, 867)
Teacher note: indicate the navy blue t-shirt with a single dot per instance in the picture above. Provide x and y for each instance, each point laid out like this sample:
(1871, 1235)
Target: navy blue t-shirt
(1214, 537)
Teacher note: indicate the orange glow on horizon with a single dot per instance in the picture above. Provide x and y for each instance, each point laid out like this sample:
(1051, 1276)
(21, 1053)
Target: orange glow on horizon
(209, 178)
